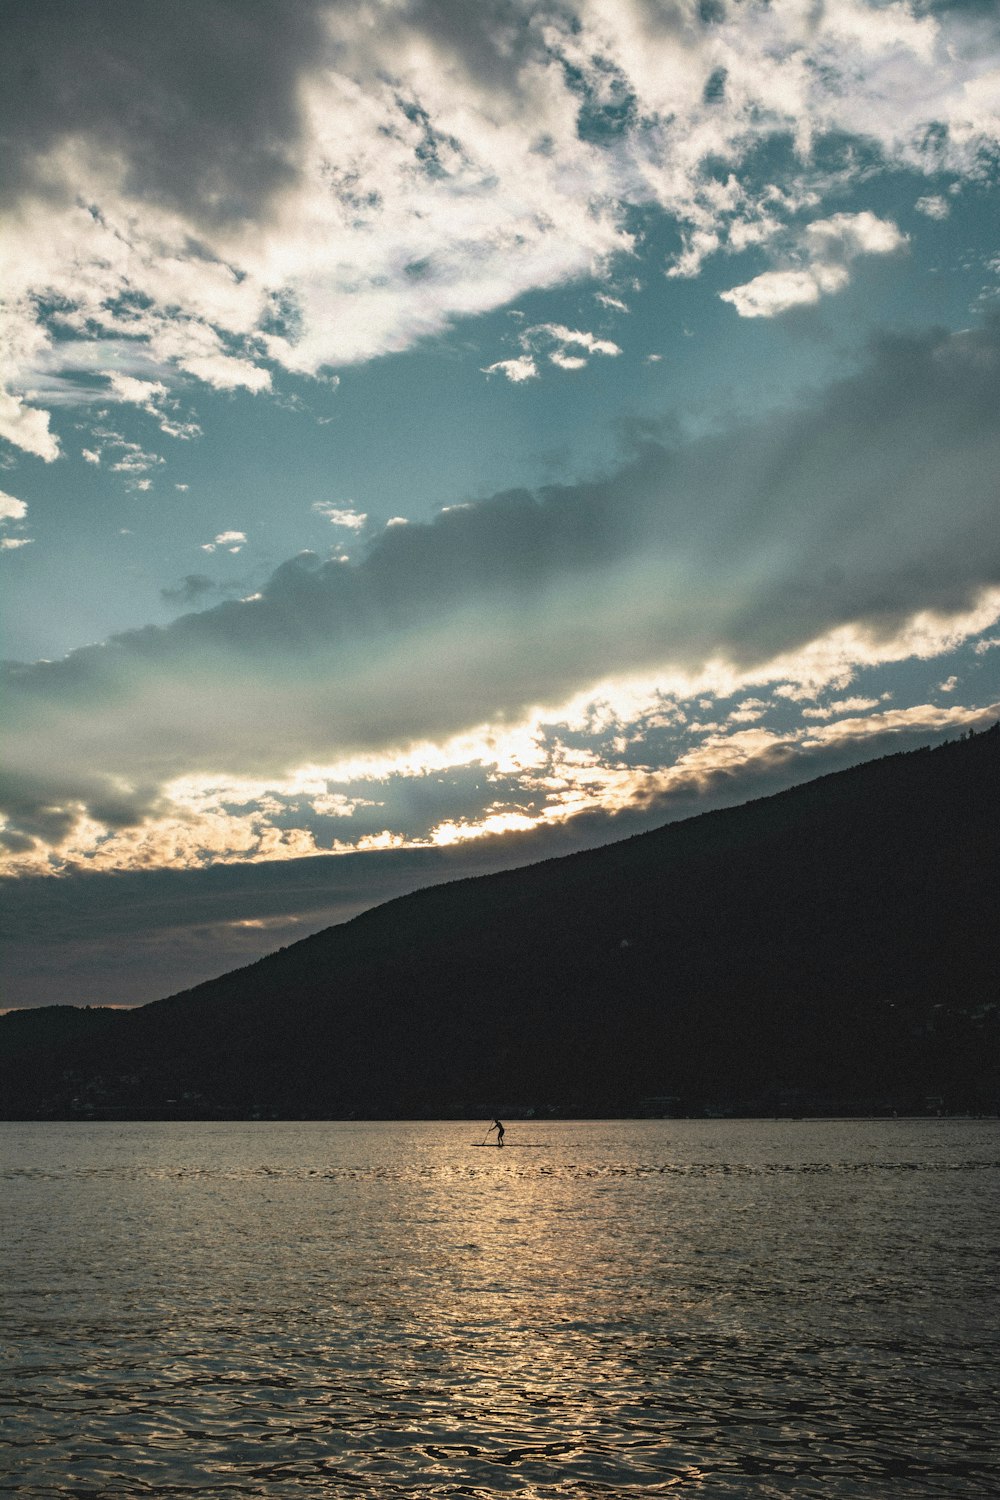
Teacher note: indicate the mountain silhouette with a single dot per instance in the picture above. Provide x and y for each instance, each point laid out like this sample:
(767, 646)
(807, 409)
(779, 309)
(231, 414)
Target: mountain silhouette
(831, 948)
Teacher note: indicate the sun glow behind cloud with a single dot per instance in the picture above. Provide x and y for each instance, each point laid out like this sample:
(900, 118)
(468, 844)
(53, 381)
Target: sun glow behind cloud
(601, 752)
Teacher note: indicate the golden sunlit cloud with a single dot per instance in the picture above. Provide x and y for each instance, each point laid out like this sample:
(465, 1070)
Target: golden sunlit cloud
(547, 775)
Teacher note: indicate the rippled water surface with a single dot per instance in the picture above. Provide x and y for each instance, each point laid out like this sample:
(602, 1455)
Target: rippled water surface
(717, 1308)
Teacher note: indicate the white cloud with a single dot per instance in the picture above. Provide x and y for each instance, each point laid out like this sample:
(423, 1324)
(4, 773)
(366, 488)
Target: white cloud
(127, 458)
(183, 431)
(566, 348)
(222, 371)
(233, 541)
(27, 427)
(774, 292)
(839, 707)
(133, 461)
(12, 512)
(151, 396)
(517, 370)
(11, 509)
(746, 714)
(543, 334)
(845, 236)
(933, 206)
(826, 248)
(346, 516)
(366, 185)
(146, 394)
(922, 716)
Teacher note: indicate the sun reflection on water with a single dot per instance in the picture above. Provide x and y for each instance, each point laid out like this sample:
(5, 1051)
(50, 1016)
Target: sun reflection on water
(723, 1309)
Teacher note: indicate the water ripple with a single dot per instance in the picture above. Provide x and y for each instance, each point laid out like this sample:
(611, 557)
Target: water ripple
(711, 1310)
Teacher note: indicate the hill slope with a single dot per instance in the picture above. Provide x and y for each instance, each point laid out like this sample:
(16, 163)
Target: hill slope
(833, 946)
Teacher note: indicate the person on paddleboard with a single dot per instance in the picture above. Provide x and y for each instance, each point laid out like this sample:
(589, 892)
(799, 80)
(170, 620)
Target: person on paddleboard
(499, 1130)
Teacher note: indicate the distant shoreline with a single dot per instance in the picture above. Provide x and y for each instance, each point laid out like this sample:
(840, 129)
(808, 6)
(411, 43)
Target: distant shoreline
(112, 1118)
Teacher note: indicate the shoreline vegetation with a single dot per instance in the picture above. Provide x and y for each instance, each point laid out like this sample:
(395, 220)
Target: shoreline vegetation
(829, 951)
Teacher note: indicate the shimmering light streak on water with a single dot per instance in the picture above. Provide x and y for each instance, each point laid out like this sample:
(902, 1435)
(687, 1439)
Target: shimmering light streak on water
(719, 1308)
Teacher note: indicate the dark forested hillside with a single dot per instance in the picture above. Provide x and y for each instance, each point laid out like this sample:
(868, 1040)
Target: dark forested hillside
(832, 947)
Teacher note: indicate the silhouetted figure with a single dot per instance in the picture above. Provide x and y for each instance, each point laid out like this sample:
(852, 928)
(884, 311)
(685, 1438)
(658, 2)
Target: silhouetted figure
(498, 1127)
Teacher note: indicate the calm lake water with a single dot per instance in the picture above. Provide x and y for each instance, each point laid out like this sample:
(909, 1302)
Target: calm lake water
(716, 1308)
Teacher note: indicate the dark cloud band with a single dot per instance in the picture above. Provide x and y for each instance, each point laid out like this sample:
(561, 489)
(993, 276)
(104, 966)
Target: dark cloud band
(870, 504)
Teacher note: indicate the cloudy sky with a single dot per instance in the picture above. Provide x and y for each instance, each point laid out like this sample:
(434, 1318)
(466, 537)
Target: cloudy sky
(438, 434)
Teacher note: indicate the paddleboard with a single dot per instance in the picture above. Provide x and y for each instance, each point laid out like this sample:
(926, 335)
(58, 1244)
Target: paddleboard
(511, 1145)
